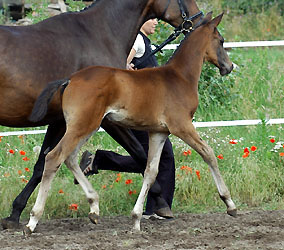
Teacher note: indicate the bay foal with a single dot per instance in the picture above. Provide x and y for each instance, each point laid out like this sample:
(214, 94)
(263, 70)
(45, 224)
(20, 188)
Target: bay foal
(161, 101)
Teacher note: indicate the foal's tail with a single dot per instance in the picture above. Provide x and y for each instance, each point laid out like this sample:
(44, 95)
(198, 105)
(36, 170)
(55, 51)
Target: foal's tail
(41, 104)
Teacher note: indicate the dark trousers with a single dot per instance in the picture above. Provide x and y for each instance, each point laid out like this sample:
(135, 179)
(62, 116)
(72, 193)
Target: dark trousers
(108, 160)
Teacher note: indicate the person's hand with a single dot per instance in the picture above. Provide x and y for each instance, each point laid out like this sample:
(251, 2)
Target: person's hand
(130, 66)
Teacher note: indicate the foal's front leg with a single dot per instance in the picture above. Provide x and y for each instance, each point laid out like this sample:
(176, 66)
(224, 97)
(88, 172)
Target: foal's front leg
(156, 144)
(190, 136)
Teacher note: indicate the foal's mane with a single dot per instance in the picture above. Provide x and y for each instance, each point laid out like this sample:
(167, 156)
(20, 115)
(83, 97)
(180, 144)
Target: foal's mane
(204, 21)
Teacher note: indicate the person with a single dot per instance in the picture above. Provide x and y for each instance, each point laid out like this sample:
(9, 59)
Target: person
(108, 160)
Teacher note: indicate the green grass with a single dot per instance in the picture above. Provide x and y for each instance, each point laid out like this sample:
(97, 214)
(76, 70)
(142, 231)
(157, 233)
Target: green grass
(255, 181)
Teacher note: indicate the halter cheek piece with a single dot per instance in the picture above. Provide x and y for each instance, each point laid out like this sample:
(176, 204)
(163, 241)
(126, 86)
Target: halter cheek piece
(185, 27)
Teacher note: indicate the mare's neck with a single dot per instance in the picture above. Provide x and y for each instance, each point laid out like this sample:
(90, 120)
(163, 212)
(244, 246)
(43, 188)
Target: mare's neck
(187, 61)
(121, 21)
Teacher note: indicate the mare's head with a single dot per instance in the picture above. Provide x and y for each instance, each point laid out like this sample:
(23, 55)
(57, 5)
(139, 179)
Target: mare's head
(175, 11)
(215, 52)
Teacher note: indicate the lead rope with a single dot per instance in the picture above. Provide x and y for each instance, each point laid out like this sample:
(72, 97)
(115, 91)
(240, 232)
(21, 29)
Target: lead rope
(181, 29)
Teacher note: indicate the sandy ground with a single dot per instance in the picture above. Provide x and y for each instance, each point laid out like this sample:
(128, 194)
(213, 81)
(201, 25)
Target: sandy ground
(250, 230)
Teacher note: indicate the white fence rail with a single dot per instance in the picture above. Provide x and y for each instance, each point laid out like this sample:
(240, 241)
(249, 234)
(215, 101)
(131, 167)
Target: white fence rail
(241, 44)
(196, 124)
(200, 124)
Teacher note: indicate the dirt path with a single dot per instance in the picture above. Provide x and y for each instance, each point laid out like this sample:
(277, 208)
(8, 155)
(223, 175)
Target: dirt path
(250, 230)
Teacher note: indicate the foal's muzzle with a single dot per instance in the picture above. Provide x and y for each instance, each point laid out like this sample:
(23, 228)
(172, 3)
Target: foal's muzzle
(226, 70)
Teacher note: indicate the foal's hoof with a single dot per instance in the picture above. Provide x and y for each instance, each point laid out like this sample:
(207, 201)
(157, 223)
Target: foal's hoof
(93, 218)
(232, 212)
(7, 223)
(27, 231)
(165, 212)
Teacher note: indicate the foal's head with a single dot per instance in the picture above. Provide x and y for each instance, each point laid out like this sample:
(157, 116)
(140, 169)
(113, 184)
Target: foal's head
(215, 52)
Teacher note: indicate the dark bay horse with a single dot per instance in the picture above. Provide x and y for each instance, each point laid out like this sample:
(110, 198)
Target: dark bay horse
(32, 56)
(161, 101)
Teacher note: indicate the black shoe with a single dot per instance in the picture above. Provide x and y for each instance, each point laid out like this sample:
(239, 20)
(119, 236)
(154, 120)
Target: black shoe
(86, 165)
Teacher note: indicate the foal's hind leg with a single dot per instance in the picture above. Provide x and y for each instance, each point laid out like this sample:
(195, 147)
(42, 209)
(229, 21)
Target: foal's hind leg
(189, 135)
(156, 143)
(92, 196)
(52, 162)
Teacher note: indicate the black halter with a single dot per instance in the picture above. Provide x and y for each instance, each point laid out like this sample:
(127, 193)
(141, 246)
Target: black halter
(187, 23)
(185, 27)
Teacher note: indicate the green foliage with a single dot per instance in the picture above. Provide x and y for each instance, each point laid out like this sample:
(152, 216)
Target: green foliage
(252, 6)
(75, 5)
(214, 89)
(4, 15)
(39, 11)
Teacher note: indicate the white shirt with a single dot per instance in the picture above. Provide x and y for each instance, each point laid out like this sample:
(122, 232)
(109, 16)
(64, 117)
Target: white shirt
(139, 46)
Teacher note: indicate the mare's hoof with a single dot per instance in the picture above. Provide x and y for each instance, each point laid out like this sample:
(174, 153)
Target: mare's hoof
(27, 231)
(7, 223)
(93, 218)
(232, 212)
(165, 212)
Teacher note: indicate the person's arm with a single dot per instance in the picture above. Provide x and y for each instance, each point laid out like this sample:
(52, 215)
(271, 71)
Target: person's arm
(137, 50)
(131, 55)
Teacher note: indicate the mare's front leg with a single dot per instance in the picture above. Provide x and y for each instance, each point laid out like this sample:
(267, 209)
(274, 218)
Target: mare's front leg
(156, 144)
(187, 132)
(54, 133)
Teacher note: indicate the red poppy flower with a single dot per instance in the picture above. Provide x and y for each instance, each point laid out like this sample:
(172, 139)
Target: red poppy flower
(272, 140)
(246, 150)
(1, 138)
(73, 207)
(26, 159)
(24, 180)
(246, 154)
(27, 169)
(281, 154)
(11, 151)
(60, 191)
(20, 172)
(253, 148)
(198, 174)
(129, 181)
(186, 168)
(104, 187)
(220, 156)
(130, 192)
(22, 152)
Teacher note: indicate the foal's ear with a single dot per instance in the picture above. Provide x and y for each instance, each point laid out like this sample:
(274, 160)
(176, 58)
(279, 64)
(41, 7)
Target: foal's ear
(208, 17)
(215, 22)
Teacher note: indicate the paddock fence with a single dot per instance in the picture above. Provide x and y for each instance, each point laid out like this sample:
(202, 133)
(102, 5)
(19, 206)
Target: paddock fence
(227, 45)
